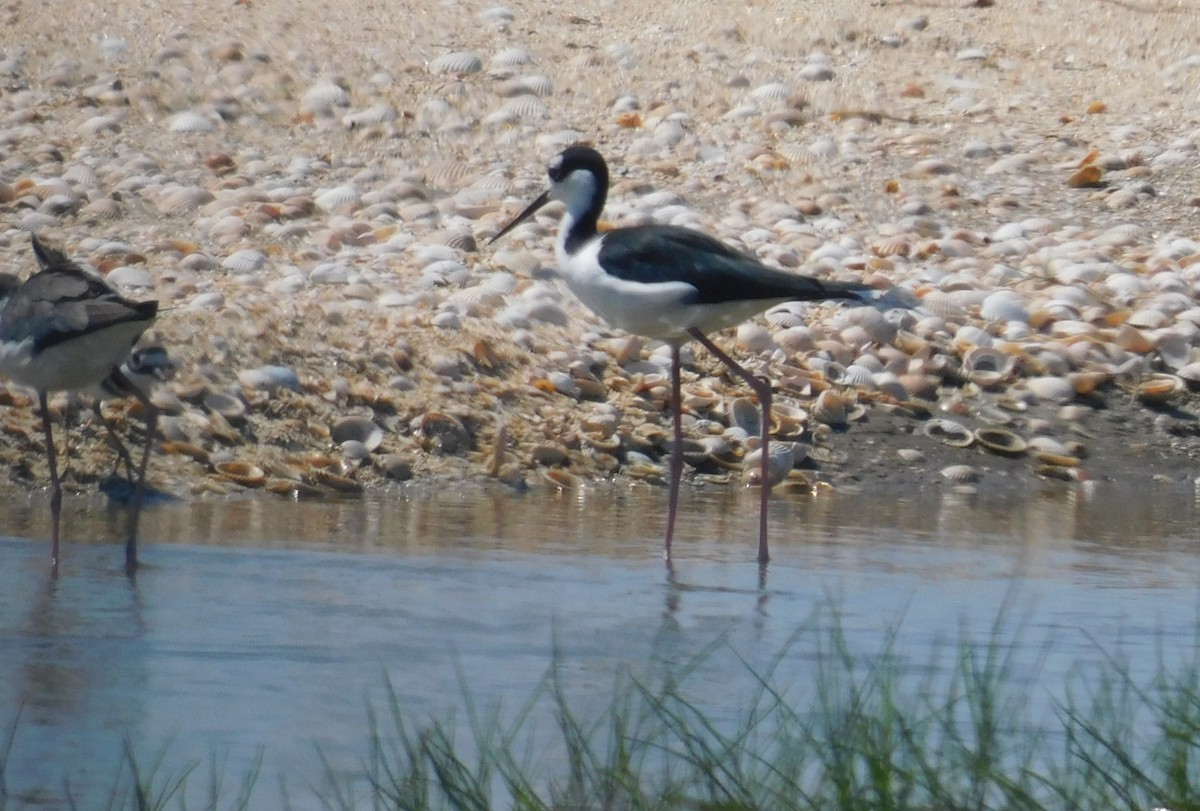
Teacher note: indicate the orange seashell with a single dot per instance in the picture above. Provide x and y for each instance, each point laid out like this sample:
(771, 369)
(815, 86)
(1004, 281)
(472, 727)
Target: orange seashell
(1097, 107)
(912, 91)
(1085, 178)
(892, 186)
(629, 120)
(1089, 158)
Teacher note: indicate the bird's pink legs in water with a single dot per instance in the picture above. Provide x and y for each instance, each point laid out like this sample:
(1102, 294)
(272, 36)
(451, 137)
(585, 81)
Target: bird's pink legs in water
(131, 561)
(55, 484)
(762, 388)
(676, 450)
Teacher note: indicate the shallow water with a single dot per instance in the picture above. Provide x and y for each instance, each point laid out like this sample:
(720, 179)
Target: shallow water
(267, 625)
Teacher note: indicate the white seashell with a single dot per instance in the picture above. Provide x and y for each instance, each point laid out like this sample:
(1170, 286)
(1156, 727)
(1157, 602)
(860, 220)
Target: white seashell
(183, 199)
(336, 198)
(1190, 374)
(510, 58)
(859, 377)
(381, 113)
(943, 306)
(1051, 389)
(971, 335)
(526, 107)
(960, 474)
(130, 276)
(245, 261)
(357, 429)
(538, 84)
(456, 62)
(752, 337)
(1148, 318)
(744, 414)
(102, 208)
(100, 124)
(816, 73)
(1004, 305)
(781, 458)
(771, 92)
(323, 97)
(191, 121)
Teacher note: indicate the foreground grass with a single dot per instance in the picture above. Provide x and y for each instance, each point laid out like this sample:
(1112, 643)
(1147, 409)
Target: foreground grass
(866, 734)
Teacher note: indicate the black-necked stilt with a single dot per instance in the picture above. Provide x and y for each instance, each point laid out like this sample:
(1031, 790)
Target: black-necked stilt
(669, 283)
(67, 329)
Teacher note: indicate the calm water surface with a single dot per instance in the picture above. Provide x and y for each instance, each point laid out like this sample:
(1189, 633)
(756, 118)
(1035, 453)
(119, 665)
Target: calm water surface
(270, 626)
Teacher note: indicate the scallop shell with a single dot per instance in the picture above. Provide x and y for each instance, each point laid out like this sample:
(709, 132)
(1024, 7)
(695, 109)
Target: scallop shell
(1004, 305)
(336, 197)
(771, 92)
(510, 58)
(191, 121)
(960, 474)
(245, 261)
(745, 415)
(322, 97)
(560, 479)
(243, 473)
(101, 209)
(1157, 388)
(456, 62)
(357, 429)
(381, 113)
(328, 478)
(780, 461)
(831, 408)
(537, 83)
(183, 199)
(948, 432)
(1190, 374)
(1000, 441)
(892, 246)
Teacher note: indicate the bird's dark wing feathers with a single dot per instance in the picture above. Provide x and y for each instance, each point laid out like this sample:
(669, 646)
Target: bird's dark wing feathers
(664, 253)
(65, 302)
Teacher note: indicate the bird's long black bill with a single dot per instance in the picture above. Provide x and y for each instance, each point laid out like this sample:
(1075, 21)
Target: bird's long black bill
(524, 215)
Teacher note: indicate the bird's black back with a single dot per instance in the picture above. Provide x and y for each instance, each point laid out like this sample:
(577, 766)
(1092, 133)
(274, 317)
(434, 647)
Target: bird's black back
(718, 272)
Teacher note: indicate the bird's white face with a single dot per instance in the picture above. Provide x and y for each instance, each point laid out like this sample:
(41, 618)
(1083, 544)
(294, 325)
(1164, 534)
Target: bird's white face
(576, 191)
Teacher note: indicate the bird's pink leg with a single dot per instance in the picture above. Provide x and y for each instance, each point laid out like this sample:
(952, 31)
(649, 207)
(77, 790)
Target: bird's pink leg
(55, 484)
(139, 491)
(762, 388)
(676, 472)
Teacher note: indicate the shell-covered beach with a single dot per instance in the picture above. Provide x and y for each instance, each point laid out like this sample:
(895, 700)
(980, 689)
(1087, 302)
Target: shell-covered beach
(309, 189)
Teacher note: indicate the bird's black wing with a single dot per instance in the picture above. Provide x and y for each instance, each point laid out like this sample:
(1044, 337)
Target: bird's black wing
(719, 273)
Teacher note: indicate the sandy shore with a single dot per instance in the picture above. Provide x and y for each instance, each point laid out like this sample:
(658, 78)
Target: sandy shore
(308, 188)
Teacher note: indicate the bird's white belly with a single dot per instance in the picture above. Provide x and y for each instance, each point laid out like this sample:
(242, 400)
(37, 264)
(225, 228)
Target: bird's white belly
(70, 365)
(662, 311)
